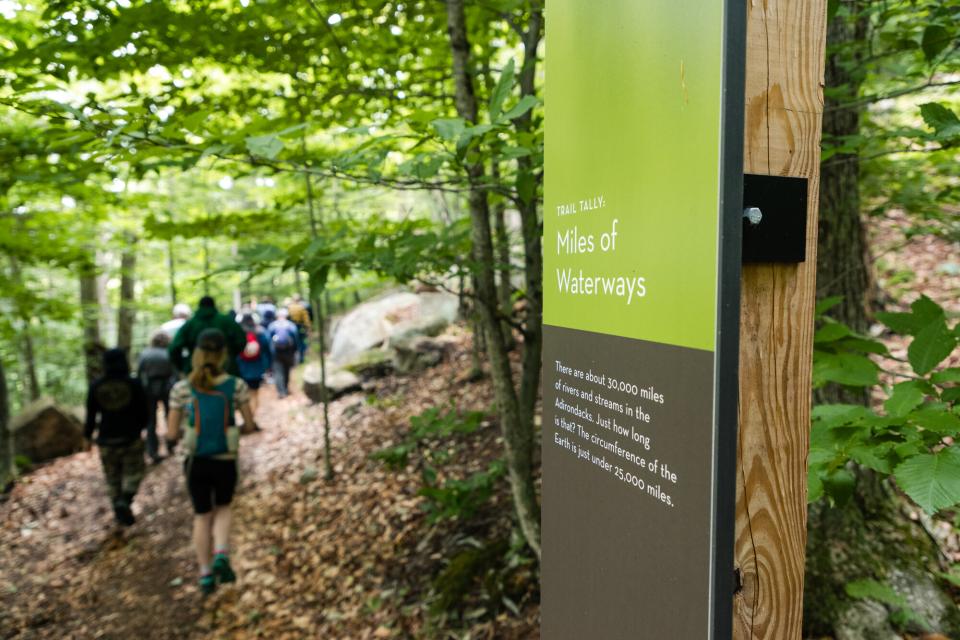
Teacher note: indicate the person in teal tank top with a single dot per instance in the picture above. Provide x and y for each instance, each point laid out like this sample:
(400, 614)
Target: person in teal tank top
(209, 399)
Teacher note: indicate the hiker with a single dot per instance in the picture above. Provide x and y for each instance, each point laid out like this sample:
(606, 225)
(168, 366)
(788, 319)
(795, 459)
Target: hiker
(156, 374)
(208, 398)
(301, 318)
(284, 340)
(255, 359)
(206, 317)
(267, 311)
(181, 313)
(121, 405)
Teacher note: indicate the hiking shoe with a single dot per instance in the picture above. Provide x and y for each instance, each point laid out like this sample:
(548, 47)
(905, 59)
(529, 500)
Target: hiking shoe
(222, 570)
(208, 584)
(123, 515)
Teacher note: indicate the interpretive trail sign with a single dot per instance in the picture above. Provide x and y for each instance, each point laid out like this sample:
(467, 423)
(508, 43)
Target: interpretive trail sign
(642, 216)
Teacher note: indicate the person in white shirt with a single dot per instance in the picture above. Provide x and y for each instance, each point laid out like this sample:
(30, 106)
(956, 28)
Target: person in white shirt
(181, 313)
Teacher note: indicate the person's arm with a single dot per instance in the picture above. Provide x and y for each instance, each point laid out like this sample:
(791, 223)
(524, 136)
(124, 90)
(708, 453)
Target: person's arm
(173, 424)
(174, 417)
(241, 401)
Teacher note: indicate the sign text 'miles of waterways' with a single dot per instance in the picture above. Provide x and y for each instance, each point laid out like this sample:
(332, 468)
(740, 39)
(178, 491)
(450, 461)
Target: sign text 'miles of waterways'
(571, 241)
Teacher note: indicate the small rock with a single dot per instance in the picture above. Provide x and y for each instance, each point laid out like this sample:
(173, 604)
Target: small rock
(309, 475)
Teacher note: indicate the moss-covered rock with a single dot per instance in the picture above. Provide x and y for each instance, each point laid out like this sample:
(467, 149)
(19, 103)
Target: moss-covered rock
(869, 538)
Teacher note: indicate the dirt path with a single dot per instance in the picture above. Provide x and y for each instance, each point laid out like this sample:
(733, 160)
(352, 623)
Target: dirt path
(353, 558)
(64, 572)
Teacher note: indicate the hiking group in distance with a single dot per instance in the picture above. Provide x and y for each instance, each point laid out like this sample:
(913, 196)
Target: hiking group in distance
(206, 367)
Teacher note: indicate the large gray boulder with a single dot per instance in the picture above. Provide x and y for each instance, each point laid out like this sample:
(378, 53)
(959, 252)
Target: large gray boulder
(393, 316)
(44, 431)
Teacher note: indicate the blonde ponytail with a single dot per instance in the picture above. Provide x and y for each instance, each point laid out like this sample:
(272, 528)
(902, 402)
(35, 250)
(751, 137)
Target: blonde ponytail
(207, 366)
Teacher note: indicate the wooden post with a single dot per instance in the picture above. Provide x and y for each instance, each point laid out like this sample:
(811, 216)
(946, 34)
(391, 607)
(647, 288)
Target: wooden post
(784, 107)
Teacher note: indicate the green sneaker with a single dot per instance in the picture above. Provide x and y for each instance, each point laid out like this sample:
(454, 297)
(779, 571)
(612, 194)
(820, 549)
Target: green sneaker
(222, 570)
(208, 584)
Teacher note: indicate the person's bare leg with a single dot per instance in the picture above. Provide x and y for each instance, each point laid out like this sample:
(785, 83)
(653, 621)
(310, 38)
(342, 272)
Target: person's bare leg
(254, 400)
(203, 540)
(221, 529)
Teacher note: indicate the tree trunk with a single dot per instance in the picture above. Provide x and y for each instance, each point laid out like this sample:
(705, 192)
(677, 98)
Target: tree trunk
(30, 361)
(90, 314)
(502, 239)
(318, 314)
(532, 231)
(869, 538)
(843, 262)
(126, 312)
(26, 337)
(517, 432)
(6, 443)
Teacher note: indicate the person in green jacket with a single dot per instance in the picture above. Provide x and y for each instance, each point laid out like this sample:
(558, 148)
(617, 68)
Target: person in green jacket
(207, 317)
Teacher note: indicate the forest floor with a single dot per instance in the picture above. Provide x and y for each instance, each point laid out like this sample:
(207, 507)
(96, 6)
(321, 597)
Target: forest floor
(351, 558)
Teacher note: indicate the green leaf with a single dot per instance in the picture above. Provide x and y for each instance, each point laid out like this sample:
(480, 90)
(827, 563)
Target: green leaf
(839, 486)
(902, 323)
(863, 345)
(526, 187)
(936, 418)
(931, 346)
(501, 91)
(926, 310)
(941, 119)
(844, 368)
(826, 304)
(935, 39)
(876, 457)
(831, 331)
(906, 397)
(814, 485)
(932, 480)
(923, 311)
(268, 146)
(873, 590)
(951, 395)
(526, 103)
(835, 415)
(947, 375)
(832, 7)
(951, 577)
(449, 128)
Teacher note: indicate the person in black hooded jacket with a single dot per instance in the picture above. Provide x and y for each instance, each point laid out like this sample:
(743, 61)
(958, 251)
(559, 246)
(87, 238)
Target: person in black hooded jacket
(120, 403)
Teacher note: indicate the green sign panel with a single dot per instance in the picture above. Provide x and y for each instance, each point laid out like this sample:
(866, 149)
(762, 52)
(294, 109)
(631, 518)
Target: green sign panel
(642, 215)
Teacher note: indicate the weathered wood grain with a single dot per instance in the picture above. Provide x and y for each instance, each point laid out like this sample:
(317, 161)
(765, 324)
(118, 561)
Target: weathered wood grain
(784, 104)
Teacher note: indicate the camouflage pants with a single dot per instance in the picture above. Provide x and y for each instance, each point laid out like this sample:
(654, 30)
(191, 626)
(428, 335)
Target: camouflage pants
(123, 468)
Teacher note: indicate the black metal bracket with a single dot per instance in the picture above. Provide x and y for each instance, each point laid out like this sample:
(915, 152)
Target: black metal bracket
(774, 219)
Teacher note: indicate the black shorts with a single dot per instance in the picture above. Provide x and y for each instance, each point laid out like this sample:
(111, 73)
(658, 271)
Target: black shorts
(210, 482)
(253, 384)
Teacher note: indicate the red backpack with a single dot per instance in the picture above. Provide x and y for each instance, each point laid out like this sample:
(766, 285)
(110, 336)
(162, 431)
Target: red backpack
(251, 351)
